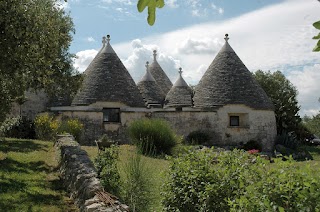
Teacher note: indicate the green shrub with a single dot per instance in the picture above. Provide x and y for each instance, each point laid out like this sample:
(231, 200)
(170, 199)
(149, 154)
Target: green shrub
(46, 127)
(71, 126)
(137, 185)
(282, 187)
(206, 180)
(197, 137)
(18, 127)
(152, 136)
(106, 165)
(288, 140)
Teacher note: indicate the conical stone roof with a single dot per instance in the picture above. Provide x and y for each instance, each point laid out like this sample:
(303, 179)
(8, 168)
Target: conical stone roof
(180, 95)
(107, 80)
(150, 90)
(159, 75)
(228, 81)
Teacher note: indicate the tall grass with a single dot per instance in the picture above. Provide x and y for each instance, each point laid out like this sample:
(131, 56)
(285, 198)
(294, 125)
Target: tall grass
(137, 184)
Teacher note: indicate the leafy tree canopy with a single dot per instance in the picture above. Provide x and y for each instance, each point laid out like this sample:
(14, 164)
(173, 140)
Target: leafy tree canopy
(312, 124)
(317, 37)
(284, 97)
(35, 36)
(152, 5)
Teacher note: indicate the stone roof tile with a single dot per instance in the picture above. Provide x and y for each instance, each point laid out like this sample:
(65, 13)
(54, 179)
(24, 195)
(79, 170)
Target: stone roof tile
(107, 80)
(150, 90)
(180, 95)
(228, 81)
(159, 75)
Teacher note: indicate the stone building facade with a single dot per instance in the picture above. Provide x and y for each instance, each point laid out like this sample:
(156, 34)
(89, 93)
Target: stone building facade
(227, 103)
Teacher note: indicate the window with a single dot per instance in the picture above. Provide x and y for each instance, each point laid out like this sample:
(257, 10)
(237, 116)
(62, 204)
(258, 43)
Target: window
(111, 115)
(179, 109)
(234, 121)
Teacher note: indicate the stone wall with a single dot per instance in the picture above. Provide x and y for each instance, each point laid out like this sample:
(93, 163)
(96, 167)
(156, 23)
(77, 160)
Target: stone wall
(258, 125)
(80, 179)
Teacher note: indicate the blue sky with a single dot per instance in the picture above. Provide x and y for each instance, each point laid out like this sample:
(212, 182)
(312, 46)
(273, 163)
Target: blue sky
(121, 18)
(266, 34)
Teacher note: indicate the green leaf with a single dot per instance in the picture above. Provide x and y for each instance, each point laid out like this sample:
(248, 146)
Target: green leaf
(151, 12)
(142, 4)
(160, 3)
(281, 209)
(316, 37)
(317, 25)
(316, 49)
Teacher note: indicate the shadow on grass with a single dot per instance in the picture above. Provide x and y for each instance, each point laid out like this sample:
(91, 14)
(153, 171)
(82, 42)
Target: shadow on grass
(10, 165)
(11, 185)
(20, 146)
(45, 199)
(34, 202)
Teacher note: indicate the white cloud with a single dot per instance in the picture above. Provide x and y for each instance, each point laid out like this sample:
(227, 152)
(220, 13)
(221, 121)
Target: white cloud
(195, 13)
(217, 9)
(84, 58)
(141, 53)
(172, 3)
(277, 37)
(90, 39)
(123, 2)
(205, 45)
(220, 10)
(307, 82)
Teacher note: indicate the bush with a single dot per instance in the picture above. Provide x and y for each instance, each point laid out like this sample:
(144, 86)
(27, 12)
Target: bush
(221, 181)
(18, 127)
(137, 185)
(197, 137)
(283, 187)
(106, 165)
(71, 126)
(46, 127)
(152, 136)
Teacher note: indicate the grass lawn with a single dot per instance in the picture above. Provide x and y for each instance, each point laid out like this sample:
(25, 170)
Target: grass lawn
(29, 179)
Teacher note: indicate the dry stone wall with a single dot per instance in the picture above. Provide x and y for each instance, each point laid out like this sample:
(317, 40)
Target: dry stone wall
(80, 178)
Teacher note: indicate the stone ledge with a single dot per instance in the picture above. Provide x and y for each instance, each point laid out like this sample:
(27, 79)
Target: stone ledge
(80, 177)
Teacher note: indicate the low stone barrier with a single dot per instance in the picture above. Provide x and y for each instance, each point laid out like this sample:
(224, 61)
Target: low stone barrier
(80, 178)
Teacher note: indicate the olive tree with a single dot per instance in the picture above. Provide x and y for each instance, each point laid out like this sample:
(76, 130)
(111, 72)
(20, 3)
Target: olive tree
(35, 36)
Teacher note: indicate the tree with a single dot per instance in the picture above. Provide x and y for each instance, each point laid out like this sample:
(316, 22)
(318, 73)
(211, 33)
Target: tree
(317, 47)
(284, 97)
(312, 124)
(35, 36)
(152, 5)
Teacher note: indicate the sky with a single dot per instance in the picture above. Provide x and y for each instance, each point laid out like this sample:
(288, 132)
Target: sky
(266, 34)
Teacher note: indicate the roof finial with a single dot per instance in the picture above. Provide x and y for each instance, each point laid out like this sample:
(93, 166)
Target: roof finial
(108, 38)
(155, 55)
(147, 65)
(104, 40)
(227, 37)
(180, 71)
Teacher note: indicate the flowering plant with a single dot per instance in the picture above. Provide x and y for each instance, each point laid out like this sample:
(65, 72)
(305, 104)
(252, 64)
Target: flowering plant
(253, 151)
